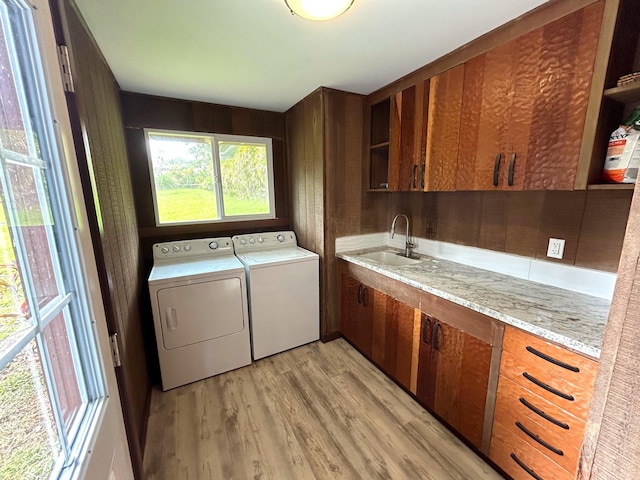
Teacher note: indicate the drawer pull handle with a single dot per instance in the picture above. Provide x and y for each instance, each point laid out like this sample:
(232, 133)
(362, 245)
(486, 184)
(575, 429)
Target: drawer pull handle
(360, 290)
(525, 468)
(544, 415)
(549, 359)
(535, 437)
(533, 379)
(414, 176)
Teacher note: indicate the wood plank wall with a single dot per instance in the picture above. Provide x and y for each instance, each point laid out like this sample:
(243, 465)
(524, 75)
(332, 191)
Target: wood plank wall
(592, 222)
(100, 143)
(147, 111)
(324, 147)
(611, 448)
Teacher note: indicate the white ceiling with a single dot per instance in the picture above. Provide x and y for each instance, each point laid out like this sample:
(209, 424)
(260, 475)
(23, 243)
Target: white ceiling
(254, 53)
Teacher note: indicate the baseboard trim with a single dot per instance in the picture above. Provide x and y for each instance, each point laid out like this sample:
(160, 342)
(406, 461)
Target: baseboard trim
(330, 337)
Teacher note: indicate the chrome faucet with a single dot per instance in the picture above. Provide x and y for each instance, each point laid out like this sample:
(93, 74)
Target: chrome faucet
(408, 245)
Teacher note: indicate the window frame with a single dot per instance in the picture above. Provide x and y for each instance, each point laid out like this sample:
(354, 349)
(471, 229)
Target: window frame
(215, 139)
(44, 116)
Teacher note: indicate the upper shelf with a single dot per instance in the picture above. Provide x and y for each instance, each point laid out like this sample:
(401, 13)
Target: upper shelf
(625, 94)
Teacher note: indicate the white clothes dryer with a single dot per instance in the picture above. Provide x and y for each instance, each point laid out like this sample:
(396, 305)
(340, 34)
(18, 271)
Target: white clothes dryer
(200, 312)
(284, 286)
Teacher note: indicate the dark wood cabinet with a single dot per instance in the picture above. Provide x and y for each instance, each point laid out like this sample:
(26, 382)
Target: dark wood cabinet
(446, 359)
(380, 327)
(524, 107)
(453, 376)
(392, 348)
(357, 314)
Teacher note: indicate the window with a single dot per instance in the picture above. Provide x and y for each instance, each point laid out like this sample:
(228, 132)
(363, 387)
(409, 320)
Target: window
(51, 386)
(199, 178)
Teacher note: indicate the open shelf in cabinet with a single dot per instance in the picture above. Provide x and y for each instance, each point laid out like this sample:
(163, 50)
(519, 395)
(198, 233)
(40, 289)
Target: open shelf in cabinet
(624, 94)
(617, 102)
(612, 186)
(379, 146)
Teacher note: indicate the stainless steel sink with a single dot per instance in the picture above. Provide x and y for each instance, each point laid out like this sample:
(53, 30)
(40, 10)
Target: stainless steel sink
(393, 259)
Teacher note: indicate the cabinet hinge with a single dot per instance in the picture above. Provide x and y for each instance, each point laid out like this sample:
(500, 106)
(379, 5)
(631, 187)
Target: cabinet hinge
(65, 68)
(115, 351)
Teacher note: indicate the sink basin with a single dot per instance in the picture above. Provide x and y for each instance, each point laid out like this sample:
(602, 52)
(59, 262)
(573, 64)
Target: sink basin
(390, 258)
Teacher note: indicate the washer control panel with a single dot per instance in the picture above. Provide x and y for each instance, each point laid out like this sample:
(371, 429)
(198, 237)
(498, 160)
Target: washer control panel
(263, 241)
(201, 247)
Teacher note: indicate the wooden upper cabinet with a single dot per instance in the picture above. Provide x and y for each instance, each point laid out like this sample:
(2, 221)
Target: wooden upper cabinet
(407, 137)
(438, 172)
(524, 106)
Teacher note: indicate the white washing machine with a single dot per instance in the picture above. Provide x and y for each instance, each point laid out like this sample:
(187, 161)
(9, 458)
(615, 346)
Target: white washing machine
(284, 288)
(200, 312)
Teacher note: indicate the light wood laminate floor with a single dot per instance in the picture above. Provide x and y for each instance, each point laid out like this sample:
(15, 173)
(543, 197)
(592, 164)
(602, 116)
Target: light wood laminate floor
(321, 411)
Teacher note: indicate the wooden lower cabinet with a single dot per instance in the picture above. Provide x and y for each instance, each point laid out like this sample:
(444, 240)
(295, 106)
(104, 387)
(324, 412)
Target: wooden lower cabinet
(541, 404)
(444, 364)
(453, 376)
(357, 313)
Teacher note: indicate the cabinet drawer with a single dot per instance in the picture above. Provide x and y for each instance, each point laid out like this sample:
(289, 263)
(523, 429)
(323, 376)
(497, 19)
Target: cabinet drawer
(544, 436)
(555, 389)
(515, 402)
(516, 457)
(558, 361)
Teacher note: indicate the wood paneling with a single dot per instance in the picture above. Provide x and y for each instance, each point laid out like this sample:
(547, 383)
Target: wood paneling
(147, 111)
(611, 448)
(101, 151)
(324, 148)
(602, 230)
(592, 222)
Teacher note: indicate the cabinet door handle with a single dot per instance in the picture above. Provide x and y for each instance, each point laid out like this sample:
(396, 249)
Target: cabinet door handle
(512, 167)
(436, 337)
(550, 359)
(548, 388)
(360, 290)
(414, 176)
(423, 169)
(522, 465)
(364, 296)
(425, 328)
(496, 170)
(535, 437)
(543, 414)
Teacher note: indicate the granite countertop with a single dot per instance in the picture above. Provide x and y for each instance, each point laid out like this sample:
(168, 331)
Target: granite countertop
(572, 319)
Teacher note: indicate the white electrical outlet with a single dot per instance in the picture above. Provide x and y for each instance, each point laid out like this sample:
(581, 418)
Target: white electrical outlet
(556, 248)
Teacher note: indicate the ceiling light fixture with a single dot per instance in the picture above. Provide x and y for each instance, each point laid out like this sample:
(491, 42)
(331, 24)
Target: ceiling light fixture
(318, 9)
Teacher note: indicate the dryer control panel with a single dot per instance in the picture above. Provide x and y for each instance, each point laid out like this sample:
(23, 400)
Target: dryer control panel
(263, 241)
(200, 247)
